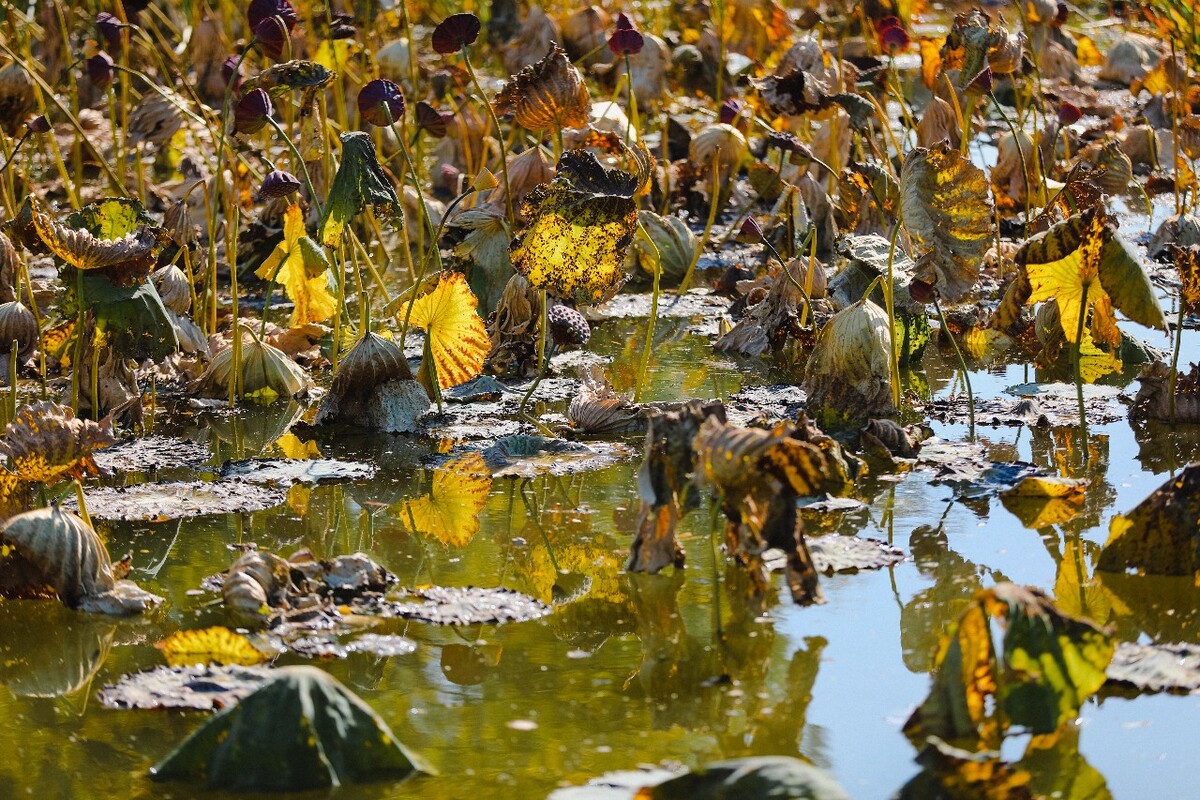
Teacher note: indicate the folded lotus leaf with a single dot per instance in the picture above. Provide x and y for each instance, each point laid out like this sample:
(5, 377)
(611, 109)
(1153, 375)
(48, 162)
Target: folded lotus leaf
(759, 776)
(48, 443)
(793, 91)
(266, 372)
(301, 730)
(947, 210)
(849, 370)
(548, 94)
(360, 181)
(52, 552)
(484, 246)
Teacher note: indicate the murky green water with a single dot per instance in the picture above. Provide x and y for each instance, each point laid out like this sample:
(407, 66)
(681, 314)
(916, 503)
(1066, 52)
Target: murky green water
(642, 669)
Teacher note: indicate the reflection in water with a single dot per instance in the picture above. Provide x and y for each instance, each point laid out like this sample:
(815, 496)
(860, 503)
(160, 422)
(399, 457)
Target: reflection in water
(35, 664)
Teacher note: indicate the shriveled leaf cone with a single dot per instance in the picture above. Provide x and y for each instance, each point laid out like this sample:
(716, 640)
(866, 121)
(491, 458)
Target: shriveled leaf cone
(759, 776)
(374, 387)
(264, 369)
(17, 324)
(53, 553)
(849, 373)
(548, 94)
(302, 730)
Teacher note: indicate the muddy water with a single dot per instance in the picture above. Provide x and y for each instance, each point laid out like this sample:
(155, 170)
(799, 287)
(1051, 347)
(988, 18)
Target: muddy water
(639, 669)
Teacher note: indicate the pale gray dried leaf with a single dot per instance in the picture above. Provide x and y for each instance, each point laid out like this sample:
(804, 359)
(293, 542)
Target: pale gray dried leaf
(696, 303)
(202, 688)
(525, 455)
(1157, 667)
(152, 453)
(382, 645)
(159, 501)
(836, 553)
(287, 471)
(471, 605)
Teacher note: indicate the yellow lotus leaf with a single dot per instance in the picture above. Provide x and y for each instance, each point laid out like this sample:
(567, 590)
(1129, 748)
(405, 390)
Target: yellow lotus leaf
(582, 225)
(301, 267)
(947, 210)
(214, 645)
(982, 343)
(48, 443)
(450, 512)
(1187, 261)
(458, 339)
(291, 446)
(931, 60)
(1048, 487)
(1075, 591)
(1083, 261)
(1086, 52)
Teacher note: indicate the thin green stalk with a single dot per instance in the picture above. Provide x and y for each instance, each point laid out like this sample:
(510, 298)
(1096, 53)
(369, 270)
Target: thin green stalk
(425, 261)
(512, 217)
(308, 184)
(715, 191)
(633, 107)
(1024, 166)
(888, 294)
(1083, 307)
(962, 362)
(1175, 362)
(542, 330)
(648, 345)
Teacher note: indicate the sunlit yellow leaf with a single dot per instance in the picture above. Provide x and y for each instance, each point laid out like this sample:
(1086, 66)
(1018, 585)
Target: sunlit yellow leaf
(947, 209)
(334, 53)
(299, 497)
(450, 512)
(931, 60)
(1095, 363)
(458, 339)
(582, 224)
(48, 443)
(982, 343)
(1078, 593)
(1046, 487)
(1086, 52)
(292, 447)
(214, 645)
(299, 264)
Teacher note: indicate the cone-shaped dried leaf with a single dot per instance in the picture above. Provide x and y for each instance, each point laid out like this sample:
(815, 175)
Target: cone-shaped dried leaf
(214, 645)
(582, 224)
(53, 552)
(758, 777)
(301, 730)
(360, 181)
(946, 208)
(47, 443)
(450, 512)
(300, 265)
(548, 94)
(1046, 666)
(266, 372)
(458, 339)
(849, 371)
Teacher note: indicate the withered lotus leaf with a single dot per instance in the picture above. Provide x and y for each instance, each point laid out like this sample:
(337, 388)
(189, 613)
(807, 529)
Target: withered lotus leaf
(360, 181)
(53, 552)
(946, 208)
(134, 252)
(849, 370)
(548, 94)
(215, 645)
(299, 74)
(47, 443)
(457, 338)
(582, 224)
(1159, 536)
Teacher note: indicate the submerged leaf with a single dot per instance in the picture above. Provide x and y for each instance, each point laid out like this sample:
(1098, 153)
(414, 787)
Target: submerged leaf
(457, 338)
(1160, 535)
(214, 645)
(946, 208)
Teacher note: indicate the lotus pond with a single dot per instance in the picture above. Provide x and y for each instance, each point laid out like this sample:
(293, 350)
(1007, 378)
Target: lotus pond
(739, 379)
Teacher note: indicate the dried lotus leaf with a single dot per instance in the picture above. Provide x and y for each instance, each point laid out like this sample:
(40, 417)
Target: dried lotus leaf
(545, 95)
(48, 443)
(134, 252)
(456, 337)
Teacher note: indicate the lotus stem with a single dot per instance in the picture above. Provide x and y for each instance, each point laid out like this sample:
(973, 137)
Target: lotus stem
(648, 345)
(12, 380)
(962, 362)
(308, 184)
(1083, 307)
(542, 332)
(1024, 166)
(82, 503)
(12, 154)
(788, 273)
(1175, 362)
(715, 190)
(808, 279)
(889, 296)
(95, 376)
(437, 237)
(633, 107)
(512, 218)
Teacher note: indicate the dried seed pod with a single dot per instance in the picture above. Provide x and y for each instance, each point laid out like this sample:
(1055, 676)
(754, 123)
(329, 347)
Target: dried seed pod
(567, 327)
(17, 324)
